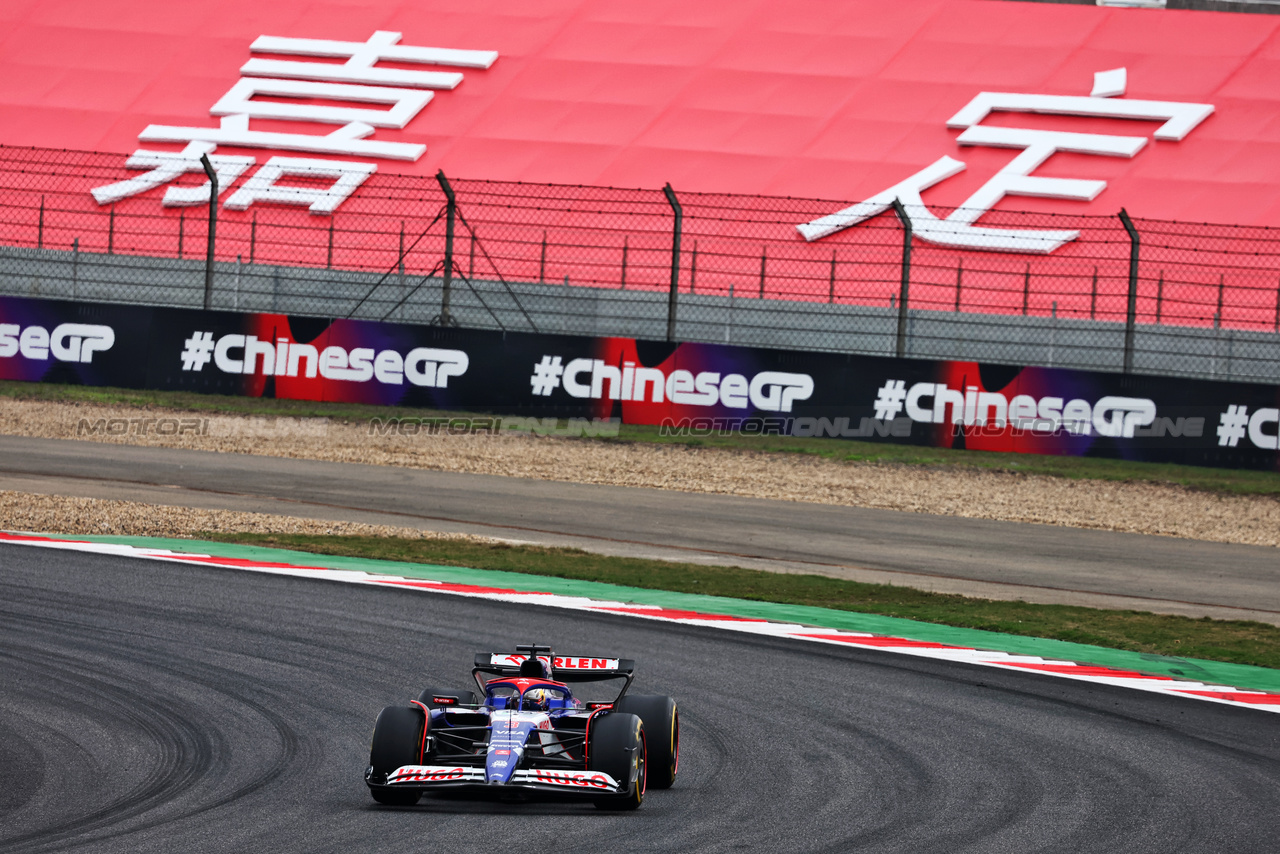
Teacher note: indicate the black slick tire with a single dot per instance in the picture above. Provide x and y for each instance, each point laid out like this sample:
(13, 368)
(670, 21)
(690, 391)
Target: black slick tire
(662, 735)
(617, 747)
(397, 741)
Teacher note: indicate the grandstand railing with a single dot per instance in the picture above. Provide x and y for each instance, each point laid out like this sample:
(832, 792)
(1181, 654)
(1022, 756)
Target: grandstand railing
(1158, 297)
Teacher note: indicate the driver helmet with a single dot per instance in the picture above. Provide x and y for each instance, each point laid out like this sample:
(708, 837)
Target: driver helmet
(536, 700)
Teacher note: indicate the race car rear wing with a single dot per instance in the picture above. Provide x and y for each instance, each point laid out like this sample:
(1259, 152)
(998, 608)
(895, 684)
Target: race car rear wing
(563, 668)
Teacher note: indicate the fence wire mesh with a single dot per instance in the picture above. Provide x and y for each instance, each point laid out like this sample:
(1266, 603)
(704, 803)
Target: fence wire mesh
(1201, 301)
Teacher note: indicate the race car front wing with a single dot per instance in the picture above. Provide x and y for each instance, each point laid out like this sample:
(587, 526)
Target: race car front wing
(445, 776)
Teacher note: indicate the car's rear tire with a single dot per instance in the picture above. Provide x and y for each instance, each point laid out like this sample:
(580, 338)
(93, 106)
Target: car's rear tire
(661, 732)
(617, 747)
(397, 741)
(461, 698)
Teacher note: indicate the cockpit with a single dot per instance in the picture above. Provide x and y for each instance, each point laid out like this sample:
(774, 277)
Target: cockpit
(509, 695)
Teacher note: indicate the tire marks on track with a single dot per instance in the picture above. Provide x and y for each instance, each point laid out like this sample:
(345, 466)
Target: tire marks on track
(91, 715)
(259, 692)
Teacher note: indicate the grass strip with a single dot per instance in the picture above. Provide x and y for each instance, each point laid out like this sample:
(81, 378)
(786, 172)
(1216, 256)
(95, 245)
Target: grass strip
(1232, 641)
(1227, 481)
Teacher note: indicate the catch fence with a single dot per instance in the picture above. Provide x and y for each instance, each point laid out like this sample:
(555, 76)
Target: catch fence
(1146, 296)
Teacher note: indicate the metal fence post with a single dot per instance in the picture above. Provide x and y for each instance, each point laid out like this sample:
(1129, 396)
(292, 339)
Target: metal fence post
(451, 214)
(728, 327)
(764, 264)
(40, 228)
(542, 262)
(831, 284)
(675, 260)
(693, 270)
(400, 266)
(1131, 313)
(1160, 299)
(959, 281)
(1277, 326)
(213, 230)
(1222, 283)
(1026, 289)
(905, 293)
(1053, 331)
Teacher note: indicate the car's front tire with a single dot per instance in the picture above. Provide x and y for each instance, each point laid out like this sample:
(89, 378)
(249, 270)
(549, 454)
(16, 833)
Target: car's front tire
(617, 747)
(397, 741)
(662, 734)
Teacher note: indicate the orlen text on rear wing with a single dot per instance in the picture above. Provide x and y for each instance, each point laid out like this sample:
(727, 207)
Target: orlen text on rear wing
(563, 668)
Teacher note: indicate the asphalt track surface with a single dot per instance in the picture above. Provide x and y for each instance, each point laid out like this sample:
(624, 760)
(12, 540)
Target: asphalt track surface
(1009, 560)
(147, 707)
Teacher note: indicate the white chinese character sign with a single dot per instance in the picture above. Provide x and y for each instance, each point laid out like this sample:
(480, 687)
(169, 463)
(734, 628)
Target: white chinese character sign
(372, 97)
(1016, 179)
(836, 101)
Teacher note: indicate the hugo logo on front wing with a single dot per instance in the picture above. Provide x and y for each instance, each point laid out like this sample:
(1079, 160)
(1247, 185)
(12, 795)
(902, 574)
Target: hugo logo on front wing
(562, 778)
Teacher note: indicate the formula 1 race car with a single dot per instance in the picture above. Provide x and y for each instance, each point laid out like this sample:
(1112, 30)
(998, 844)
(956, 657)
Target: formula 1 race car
(528, 733)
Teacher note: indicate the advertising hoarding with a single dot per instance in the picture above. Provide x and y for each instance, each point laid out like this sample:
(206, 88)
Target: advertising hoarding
(690, 389)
